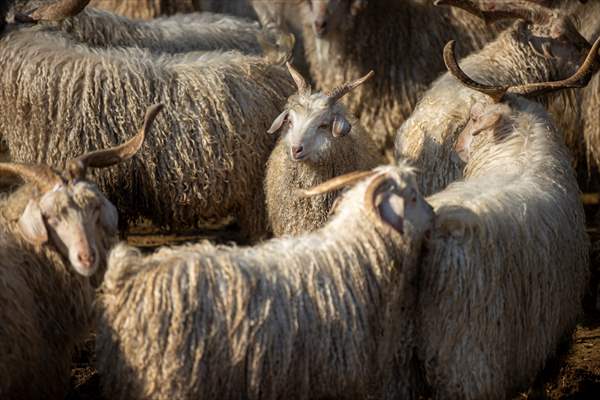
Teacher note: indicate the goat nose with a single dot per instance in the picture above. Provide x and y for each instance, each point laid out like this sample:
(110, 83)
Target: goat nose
(321, 26)
(86, 259)
(297, 151)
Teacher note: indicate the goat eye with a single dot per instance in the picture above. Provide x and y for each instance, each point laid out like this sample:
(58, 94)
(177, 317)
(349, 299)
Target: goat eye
(324, 126)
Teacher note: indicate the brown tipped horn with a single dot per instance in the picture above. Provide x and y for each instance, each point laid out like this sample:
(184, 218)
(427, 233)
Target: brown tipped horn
(347, 87)
(303, 87)
(495, 92)
(579, 79)
(371, 195)
(337, 183)
(105, 158)
(508, 9)
(56, 11)
(40, 175)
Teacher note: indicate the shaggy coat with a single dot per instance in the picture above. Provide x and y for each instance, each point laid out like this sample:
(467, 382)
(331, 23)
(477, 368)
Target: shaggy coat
(582, 112)
(175, 34)
(507, 265)
(290, 213)
(45, 308)
(148, 9)
(427, 138)
(203, 162)
(402, 42)
(317, 316)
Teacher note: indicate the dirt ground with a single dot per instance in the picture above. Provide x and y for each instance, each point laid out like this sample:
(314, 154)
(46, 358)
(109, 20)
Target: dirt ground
(574, 373)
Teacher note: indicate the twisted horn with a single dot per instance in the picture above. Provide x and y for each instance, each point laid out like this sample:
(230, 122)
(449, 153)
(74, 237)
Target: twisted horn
(337, 183)
(371, 193)
(347, 87)
(77, 167)
(56, 11)
(303, 87)
(579, 79)
(40, 175)
(495, 92)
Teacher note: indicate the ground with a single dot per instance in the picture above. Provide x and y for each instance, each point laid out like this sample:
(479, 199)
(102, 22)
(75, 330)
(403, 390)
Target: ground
(575, 372)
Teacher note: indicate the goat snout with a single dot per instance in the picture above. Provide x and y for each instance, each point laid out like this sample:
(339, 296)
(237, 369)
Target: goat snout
(297, 152)
(320, 26)
(87, 259)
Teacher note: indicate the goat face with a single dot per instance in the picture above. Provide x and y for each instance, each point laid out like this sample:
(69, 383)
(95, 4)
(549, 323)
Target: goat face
(312, 126)
(328, 16)
(73, 218)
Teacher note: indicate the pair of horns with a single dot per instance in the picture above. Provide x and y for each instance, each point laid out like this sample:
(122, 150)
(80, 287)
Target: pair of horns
(56, 11)
(528, 10)
(579, 79)
(336, 94)
(46, 178)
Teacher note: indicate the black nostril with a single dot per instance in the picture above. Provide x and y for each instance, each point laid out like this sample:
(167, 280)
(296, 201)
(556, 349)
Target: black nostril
(297, 149)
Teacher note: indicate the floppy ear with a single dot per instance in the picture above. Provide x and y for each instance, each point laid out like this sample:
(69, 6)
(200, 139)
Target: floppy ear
(32, 224)
(109, 217)
(278, 123)
(340, 126)
(485, 121)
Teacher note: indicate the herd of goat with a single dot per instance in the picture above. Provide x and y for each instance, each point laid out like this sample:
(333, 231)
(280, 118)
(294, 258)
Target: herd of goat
(403, 174)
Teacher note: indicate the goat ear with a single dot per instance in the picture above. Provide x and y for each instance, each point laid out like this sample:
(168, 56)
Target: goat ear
(32, 224)
(486, 121)
(390, 207)
(278, 123)
(383, 202)
(340, 126)
(109, 217)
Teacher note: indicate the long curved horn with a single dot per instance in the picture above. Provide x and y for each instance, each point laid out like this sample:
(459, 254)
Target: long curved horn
(372, 191)
(40, 175)
(522, 9)
(495, 92)
(579, 79)
(56, 11)
(347, 87)
(77, 167)
(337, 183)
(303, 87)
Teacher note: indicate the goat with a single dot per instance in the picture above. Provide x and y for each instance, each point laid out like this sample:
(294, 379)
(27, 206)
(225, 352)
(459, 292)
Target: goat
(55, 232)
(507, 266)
(314, 316)
(321, 140)
(517, 56)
